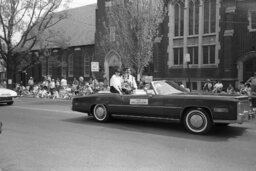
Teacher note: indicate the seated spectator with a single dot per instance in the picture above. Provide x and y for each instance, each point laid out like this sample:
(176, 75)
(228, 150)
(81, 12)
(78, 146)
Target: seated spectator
(52, 86)
(31, 84)
(230, 89)
(242, 88)
(252, 82)
(57, 84)
(248, 89)
(74, 88)
(63, 83)
(87, 89)
(217, 88)
(207, 86)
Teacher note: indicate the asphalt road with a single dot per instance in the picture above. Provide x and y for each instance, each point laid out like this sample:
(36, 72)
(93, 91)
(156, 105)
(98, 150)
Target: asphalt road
(45, 135)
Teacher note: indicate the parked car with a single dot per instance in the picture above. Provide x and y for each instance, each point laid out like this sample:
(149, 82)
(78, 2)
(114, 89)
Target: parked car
(7, 95)
(162, 100)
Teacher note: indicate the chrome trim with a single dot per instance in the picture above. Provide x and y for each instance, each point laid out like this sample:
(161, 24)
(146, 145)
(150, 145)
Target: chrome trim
(221, 109)
(147, 106)
(241, 117)
(225, 121)
(146, 117)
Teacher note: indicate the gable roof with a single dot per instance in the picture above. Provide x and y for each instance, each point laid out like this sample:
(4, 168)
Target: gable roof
(77, 29)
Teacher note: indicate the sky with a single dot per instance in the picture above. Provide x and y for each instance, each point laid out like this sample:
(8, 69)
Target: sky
(78, 3)
(72, 4)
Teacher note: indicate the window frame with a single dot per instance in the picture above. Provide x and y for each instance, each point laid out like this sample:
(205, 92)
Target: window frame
(193, 55)
(44, 67)
(180, 20)
(193, 19)
(180, 56)
(209, 21)
(50, 66)
(70, 65)
(87, 65)
(209, 57)
(250, 19)
(64, 66)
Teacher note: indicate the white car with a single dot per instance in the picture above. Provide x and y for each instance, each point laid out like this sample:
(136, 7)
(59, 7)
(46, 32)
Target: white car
(7, 95)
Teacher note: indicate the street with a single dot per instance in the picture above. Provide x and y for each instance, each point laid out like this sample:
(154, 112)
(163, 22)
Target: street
(45, 135)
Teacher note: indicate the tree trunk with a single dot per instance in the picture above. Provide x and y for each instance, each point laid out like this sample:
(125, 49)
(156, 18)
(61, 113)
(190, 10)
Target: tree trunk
(10, 70)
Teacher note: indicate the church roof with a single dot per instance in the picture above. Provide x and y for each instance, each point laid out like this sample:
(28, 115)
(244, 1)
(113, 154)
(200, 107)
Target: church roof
(77, 29)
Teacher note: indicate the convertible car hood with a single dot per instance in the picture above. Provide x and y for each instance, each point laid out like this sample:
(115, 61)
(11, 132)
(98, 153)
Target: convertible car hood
(7, 92)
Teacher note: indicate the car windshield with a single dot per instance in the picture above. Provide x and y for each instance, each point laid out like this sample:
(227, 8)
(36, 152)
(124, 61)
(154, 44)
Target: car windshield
(164, 88)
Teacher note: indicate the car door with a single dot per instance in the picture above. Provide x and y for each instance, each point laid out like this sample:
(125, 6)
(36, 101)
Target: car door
(173, 105)
(142, 105)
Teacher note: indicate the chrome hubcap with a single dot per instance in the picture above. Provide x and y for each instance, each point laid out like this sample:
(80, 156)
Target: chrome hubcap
(100, 112)
(196, 121)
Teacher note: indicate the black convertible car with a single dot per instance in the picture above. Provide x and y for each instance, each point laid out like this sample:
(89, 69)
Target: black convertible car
(162, 100)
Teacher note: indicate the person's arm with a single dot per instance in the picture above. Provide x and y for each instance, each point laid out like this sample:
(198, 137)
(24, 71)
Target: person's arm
(205, 85)
(249, 80)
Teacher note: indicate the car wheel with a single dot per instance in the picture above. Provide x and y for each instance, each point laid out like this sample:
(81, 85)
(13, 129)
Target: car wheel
(197, 121)
(100, 113)
(9, 103)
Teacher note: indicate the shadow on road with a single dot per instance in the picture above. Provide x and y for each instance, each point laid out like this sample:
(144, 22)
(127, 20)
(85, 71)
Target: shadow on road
(3, 104)
(164, 128)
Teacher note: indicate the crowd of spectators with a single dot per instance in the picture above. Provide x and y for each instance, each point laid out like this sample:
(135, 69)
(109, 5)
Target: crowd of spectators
(59, 88)
(244, 88)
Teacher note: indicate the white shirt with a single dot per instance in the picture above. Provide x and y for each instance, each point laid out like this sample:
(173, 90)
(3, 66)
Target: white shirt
(52, 84)
(116, 82)
(131, 80)
(63, 82)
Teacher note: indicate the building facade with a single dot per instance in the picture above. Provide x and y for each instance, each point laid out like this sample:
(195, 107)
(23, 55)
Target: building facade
(109, 50)
(215, 37)
(71, 53)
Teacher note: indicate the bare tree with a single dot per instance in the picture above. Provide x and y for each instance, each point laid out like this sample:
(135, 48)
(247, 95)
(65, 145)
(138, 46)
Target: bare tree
(136, 23)
(22, 23)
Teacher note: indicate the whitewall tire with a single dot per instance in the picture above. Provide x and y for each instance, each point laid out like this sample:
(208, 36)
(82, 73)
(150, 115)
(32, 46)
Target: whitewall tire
(100, 113)
(197, 121)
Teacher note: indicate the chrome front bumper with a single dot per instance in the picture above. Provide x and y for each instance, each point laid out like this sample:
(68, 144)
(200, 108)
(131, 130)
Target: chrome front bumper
(241, 117)
(246, 116)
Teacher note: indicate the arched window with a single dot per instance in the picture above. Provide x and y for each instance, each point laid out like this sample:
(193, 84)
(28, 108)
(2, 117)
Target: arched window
(179, 19)
(209, 16)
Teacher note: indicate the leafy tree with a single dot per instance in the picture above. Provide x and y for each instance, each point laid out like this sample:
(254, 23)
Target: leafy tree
(22, 27)
(136, 23)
